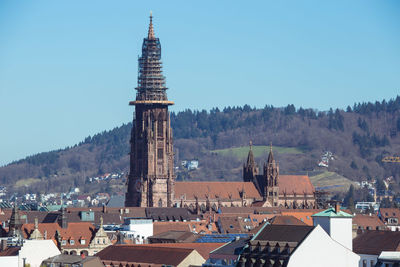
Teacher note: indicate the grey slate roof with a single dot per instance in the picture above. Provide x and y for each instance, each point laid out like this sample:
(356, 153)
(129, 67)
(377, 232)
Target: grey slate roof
(284, 233)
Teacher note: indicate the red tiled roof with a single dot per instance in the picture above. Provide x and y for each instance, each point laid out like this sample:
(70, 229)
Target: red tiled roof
(369, 222)
(144, 254)
(286, 220)
(299, 184)
(304, 215)
(213, 189)
(374, 242)
(161, 227)
(12, 251)
(74, 231)
(389, 213)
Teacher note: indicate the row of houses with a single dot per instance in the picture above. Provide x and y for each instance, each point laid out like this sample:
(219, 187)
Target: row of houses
(236, 236)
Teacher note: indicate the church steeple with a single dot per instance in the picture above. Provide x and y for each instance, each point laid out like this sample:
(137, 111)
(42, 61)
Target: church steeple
(151, 82)
(250, 156)
(271, 178)
(270, 159)
(250, 169)
(151, 175)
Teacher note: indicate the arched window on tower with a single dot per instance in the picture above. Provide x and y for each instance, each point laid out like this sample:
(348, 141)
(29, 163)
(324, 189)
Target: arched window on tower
(160, 203)
(160, 125)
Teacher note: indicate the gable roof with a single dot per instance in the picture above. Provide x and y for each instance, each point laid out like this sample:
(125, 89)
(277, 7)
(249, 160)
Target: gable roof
(197, 226)
(74, 231)
(386, 213)
(374, 242)
(331, 213)
(299, 184)
(286, 220)
(166, 214)
(213, 189)
(175, 236)
(10, 251)
(233, 248)
(204, 249)
(284, 233)
(303, 215)
(144, 254)
(368, 222)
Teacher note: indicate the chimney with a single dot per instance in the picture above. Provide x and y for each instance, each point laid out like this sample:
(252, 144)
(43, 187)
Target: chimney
(337, 207)
(3, 244)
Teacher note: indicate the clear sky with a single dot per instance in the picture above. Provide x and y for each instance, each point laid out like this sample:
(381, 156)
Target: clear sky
(69, 68)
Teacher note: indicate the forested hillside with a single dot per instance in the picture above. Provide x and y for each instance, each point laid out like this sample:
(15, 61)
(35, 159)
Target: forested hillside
(359, 137)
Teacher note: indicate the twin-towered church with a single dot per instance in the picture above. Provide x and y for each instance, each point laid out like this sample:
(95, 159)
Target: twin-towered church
(151, 180)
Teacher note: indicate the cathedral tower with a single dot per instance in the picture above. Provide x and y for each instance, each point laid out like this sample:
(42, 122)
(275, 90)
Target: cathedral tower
(151, 176)
(250, 169)
(271, 176)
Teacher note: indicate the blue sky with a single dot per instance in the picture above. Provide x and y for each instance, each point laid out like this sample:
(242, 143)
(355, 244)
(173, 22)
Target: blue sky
(69, 68)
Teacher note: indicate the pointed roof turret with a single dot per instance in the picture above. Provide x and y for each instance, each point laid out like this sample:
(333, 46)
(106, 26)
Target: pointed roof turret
(250, 156)
(271, 155)
(36, 234)
(150, 34)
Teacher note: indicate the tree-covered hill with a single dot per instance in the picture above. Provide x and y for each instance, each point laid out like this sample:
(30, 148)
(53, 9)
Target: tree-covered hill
(359, 137)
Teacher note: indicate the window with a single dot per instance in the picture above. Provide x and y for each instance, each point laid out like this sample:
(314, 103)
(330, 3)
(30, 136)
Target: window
(83, 241)
(72, 242)
(160, 153)
(364, 263)
(64, 242)
(160, 127)
(372, 263)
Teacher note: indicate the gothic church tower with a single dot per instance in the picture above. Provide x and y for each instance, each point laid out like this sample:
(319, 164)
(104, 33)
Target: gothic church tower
(151, 176)
(271, 176)
(250, 170)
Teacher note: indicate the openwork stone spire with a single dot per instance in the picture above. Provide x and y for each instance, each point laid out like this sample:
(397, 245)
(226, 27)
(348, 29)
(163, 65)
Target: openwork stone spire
(150, 35)
(151, 82)
(271, 155)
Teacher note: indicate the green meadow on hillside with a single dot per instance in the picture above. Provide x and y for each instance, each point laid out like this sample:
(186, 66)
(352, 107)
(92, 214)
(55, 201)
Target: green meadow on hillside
(242, 152)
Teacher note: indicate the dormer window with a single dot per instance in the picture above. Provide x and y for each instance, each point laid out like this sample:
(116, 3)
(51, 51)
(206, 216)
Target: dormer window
(63, 242)
(83, 241)
(72, 242)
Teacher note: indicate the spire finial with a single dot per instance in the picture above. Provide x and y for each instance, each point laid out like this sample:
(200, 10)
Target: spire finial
(150, 35)
(101, 217)
(270, 147)
(251, 144)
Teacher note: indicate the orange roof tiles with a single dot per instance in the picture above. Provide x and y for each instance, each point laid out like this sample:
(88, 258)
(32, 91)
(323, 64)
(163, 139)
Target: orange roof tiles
(74, 232)
(198, 227)
(213, 189)
(369, 222)
(299, 184)
(304, 216)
